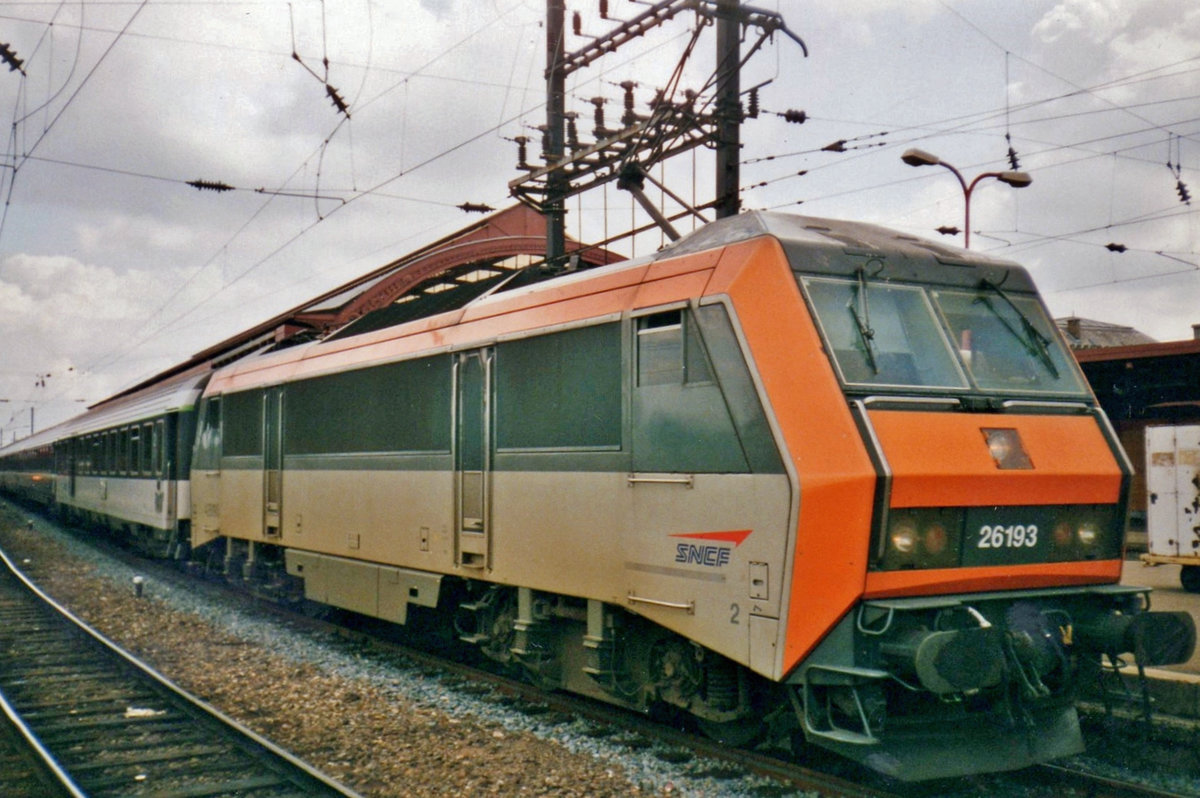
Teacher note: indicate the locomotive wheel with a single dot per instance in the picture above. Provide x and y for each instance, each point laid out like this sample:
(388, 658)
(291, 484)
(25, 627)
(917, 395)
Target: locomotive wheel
(1189, 577)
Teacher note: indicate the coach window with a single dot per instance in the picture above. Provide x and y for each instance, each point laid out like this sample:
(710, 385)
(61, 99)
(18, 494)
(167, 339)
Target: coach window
(135, 450)
(242, 424)
(158, 461)
(560, 391)
(110, 451)
(145, 465)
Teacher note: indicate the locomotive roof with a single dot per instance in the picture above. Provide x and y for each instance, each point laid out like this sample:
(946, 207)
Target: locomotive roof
(836, 246)
(812, 245)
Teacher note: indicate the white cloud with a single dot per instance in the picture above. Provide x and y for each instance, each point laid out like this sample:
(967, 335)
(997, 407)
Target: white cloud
(1093, 20)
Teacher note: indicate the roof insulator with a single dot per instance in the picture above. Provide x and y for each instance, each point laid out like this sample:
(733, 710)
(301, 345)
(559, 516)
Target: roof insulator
(337, 100)
(210, 185)
(9, 57)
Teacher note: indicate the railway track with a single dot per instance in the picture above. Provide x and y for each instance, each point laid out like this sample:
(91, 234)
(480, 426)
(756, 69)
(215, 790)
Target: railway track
(1076, 782)
(87, 719)
(826, 775)
(23, 771)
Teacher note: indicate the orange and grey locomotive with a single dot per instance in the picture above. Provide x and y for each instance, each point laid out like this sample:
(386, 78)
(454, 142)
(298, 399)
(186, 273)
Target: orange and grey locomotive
(803, 480)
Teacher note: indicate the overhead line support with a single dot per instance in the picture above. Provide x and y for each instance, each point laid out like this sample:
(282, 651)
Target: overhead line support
(556, 181)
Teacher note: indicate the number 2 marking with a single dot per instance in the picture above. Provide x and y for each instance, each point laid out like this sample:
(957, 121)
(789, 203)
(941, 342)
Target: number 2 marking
(735, 611)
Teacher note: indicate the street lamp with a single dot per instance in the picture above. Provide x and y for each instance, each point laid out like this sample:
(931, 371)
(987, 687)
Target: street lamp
(915, 157)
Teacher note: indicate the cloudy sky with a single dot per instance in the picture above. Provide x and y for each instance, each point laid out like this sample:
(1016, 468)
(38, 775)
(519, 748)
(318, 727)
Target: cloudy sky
(112, 267)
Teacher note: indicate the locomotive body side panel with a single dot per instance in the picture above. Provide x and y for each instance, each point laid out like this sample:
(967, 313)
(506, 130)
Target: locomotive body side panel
(824, 448)
(629, 458)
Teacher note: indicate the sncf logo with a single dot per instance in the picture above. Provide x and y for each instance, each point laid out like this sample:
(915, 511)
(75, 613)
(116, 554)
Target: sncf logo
(714, 549)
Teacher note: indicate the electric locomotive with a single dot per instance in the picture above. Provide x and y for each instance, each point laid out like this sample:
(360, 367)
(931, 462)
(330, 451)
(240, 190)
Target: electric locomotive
(804, 481)
(798, 478)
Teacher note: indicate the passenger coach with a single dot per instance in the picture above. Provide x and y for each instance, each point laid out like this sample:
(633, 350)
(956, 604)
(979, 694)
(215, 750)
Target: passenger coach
(27, 468)
(125, 465)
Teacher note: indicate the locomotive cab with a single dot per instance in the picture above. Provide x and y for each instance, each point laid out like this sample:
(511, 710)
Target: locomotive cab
(995, 543)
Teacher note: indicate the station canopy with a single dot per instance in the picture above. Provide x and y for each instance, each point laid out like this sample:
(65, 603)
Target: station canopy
(508, 245)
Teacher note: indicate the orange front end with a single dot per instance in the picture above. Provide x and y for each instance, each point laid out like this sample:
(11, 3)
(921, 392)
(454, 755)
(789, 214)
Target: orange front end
(961, 502)
(960, 517)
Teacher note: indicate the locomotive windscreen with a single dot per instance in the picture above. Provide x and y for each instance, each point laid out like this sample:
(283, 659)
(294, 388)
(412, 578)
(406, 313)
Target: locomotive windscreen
(885, 334)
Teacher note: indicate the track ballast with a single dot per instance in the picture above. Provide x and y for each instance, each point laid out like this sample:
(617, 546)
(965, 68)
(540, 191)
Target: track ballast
(115, 727)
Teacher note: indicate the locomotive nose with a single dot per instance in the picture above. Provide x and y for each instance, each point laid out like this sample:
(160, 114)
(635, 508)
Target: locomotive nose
(1154, 638)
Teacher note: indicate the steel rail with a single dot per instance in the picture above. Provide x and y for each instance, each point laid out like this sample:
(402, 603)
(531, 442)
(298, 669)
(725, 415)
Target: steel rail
(303, 777)
(48, 764)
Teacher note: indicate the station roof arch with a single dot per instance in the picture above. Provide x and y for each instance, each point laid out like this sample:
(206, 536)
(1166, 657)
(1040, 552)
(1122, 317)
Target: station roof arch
(427, 280)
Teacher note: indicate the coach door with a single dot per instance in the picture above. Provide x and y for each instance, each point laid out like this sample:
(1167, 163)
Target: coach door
(472, 483)
(272, 461)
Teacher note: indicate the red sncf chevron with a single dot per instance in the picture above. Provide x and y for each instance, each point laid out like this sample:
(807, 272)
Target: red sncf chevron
(734, 536)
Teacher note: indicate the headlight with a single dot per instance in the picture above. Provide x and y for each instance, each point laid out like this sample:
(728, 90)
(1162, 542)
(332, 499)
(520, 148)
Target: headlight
(904, 536)
(1006, 448)
(922, 538)
(1086, 532)
(936, 538)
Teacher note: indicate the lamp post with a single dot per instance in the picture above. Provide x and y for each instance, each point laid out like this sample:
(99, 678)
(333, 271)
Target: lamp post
(915, 157)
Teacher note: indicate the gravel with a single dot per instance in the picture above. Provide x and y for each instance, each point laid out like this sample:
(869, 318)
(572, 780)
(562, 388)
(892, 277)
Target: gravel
(383, 729)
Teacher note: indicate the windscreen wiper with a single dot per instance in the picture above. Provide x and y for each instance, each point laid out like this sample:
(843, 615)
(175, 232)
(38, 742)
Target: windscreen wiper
(862, 319)
(1033, 341)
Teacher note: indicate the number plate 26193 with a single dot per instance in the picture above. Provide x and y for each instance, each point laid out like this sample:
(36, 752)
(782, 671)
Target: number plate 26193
(1006, 535)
